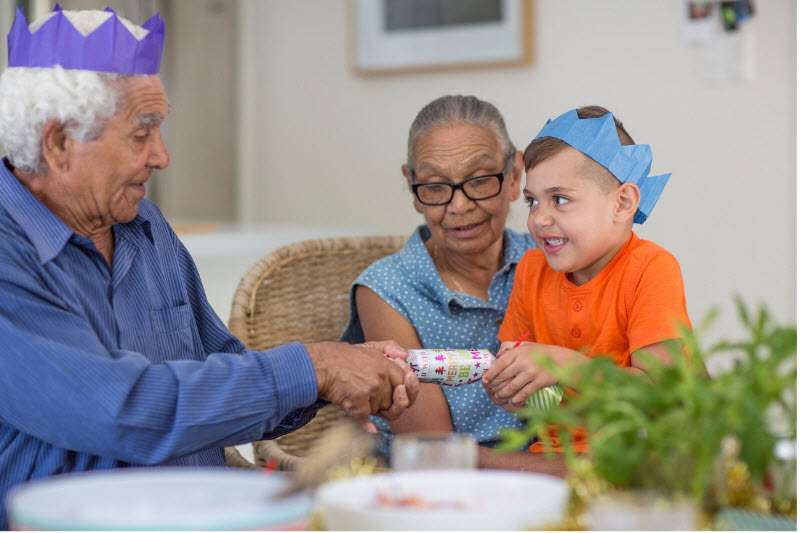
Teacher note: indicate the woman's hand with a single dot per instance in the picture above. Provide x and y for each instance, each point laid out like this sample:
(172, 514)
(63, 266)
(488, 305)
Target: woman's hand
(515, 375)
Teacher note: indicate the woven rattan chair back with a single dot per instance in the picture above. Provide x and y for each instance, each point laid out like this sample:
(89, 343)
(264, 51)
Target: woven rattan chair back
(301, 293)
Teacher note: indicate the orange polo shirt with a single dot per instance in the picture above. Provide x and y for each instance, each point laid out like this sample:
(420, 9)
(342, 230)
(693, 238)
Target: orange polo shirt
(633, 302)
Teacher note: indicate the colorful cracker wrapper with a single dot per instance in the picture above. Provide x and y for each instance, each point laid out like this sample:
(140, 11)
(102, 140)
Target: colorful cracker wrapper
(455, 367)
(450, 367)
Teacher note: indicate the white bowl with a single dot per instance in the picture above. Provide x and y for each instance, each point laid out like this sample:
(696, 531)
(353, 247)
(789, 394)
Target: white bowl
(158, 499)
(451, 500)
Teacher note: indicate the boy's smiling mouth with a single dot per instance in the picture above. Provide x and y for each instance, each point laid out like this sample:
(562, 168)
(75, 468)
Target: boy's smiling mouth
(552, 245)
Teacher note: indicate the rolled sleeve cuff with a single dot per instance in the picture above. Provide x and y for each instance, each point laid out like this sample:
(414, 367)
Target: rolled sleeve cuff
(295, 379)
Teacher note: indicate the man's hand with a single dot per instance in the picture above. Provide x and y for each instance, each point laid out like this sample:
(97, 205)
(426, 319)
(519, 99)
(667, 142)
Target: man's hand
(515, 376)
(363, 380)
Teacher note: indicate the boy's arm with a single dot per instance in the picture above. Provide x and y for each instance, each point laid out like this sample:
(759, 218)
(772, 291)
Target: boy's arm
(660, 353)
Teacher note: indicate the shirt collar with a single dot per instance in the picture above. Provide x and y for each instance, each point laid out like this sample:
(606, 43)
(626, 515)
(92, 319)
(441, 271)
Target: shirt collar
(415, 251)
(48, 233)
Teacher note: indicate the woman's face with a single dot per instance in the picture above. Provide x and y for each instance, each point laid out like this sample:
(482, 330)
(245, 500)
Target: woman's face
(453, 154)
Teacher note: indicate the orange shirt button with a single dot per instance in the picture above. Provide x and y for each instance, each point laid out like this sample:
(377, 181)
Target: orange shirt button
(577, 306)
(576, 331)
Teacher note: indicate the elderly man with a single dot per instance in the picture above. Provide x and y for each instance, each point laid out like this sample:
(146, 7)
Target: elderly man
(111, 355)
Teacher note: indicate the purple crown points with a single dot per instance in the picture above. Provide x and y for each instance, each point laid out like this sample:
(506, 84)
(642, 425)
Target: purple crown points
(598, 139)
(111, 47)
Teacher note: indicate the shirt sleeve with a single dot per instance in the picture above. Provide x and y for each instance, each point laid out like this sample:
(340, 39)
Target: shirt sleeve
(59, 384)
(518, 318)
(658, 304)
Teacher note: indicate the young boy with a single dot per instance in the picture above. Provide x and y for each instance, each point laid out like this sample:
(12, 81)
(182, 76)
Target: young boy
(592, 287)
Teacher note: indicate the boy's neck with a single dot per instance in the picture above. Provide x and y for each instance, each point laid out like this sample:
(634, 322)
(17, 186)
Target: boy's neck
(607, 259)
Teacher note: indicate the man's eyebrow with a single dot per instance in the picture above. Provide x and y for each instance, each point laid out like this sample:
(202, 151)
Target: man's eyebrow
(151, 119)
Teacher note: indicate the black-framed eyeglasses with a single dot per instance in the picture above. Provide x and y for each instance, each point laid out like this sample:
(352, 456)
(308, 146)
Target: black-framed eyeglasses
(477, 188)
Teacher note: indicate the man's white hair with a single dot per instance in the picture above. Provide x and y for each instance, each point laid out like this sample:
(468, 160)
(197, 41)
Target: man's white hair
(81, 100)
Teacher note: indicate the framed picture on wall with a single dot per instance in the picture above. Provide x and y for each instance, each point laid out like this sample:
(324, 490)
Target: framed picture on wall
(392, 36)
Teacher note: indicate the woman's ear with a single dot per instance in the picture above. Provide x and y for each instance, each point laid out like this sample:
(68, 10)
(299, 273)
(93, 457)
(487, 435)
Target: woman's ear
(56, 146)
(626, 202)
(407, 174)
(514, 175)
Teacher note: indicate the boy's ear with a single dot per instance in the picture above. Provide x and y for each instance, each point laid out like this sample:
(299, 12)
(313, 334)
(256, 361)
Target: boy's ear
(407, 173)
(56, 146)
(626, 202)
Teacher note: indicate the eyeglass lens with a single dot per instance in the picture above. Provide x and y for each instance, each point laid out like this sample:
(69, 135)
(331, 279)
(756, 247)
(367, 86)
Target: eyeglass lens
(479, 188)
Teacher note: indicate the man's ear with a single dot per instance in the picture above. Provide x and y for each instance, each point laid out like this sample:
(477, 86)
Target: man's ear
(407, 174)
(515, 175)
(626, 202)
(56, 146)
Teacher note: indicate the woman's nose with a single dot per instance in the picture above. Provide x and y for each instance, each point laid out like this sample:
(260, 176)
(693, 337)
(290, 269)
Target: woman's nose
(459, 201)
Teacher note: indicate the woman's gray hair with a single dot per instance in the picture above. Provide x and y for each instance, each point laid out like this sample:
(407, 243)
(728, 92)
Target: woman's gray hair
(82, 100)
(457, 109)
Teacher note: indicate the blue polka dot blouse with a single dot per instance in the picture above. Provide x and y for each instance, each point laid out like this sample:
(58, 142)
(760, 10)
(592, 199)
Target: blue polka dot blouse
(443, 318)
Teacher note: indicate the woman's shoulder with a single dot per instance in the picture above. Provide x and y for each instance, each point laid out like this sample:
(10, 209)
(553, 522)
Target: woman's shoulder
(412, 259)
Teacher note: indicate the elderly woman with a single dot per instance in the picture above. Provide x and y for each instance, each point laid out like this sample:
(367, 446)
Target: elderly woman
(449, 286)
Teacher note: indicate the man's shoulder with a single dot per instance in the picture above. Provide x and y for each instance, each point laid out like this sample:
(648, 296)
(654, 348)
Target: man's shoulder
(13, 240)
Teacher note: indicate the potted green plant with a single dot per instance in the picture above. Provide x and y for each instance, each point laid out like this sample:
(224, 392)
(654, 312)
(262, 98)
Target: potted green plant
(662, 438)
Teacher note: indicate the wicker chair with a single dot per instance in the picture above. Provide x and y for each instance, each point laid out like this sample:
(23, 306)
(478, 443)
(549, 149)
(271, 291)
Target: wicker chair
(300, 292)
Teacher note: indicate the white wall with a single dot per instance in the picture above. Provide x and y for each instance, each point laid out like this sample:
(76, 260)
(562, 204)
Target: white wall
(321, 145)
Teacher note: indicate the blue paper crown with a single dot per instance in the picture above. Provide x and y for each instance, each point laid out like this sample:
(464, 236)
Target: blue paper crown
(598, 138)
(111, 47)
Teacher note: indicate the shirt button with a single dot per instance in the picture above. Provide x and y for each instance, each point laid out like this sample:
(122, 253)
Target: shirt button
(576, 332)
(498, 321)
(577, 306)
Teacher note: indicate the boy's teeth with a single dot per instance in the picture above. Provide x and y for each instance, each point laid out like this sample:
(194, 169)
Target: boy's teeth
(555, 242)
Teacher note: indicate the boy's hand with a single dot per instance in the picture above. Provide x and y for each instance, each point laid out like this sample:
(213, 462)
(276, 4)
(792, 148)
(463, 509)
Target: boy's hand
(507, 346)
(515, 376)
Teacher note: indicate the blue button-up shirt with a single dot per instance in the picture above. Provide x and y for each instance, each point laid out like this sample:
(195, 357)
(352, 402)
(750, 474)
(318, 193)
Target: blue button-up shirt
(107, 366)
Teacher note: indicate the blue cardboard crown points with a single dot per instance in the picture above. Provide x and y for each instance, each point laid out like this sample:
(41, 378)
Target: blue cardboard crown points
(598, 139)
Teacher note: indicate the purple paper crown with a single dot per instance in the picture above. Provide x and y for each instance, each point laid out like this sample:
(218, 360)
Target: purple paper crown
(111, 47)
(598, 138)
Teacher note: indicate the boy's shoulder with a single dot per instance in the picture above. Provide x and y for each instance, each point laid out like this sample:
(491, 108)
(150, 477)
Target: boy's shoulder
(644, 250)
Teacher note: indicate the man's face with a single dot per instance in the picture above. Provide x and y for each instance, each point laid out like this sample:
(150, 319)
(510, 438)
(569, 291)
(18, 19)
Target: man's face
(107, 176)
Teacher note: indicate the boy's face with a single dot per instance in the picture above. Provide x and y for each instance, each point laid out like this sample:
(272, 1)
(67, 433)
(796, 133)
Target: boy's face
(571, 218)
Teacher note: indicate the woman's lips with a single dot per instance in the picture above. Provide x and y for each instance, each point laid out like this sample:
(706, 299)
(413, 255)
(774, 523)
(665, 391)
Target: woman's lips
(466, 230)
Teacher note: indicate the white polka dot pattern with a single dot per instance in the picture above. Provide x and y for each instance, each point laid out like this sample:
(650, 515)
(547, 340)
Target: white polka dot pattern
(410, 283)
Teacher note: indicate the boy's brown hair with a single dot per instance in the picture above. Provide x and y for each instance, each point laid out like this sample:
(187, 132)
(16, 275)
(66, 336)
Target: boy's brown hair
(543, 148)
